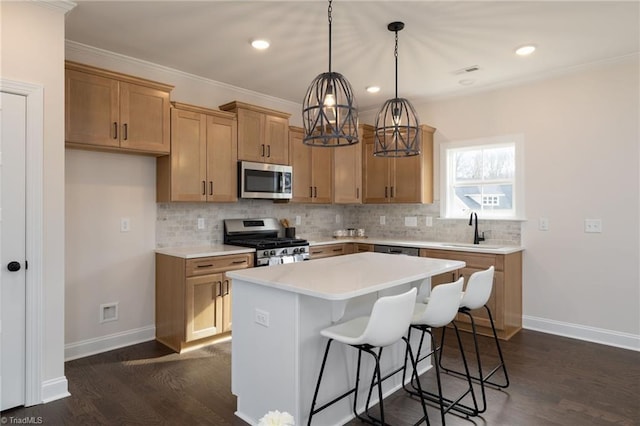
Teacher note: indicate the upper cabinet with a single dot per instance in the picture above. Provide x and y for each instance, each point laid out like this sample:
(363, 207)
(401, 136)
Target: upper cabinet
(203, 161)
(105, 110)
(347, 169)
(399, 180)
(311, 170)
(263, 134)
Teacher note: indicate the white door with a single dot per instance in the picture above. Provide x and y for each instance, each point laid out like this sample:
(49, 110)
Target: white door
(12, 249)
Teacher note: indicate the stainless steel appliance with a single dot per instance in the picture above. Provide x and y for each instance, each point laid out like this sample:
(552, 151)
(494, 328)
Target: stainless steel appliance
(410, 251)
(262, 180)
(267, 237)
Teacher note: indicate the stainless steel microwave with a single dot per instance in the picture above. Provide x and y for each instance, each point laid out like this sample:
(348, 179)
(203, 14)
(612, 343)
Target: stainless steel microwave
(263, 180)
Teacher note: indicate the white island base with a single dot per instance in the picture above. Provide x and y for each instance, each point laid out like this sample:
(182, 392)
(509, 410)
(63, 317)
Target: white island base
(278, 312)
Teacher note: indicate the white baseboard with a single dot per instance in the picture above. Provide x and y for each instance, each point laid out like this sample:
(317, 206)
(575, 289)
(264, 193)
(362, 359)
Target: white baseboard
(581, 332)
(110, 342)
(54, 389)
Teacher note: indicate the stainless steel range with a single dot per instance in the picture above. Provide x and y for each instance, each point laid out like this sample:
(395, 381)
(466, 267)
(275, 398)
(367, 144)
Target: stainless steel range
(267, 237)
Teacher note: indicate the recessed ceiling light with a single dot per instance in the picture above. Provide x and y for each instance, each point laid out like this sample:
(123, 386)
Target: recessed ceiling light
(525, 50)
(373, 89)
(260, 44)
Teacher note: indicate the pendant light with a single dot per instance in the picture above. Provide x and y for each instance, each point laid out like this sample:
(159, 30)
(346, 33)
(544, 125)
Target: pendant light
(397, 131)
(329, 110)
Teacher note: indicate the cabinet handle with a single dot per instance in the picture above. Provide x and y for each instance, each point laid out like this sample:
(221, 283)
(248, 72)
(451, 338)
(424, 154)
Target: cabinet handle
(337, 249)
(357, 193)
(226, 287)
(268, 151)
(126, 131)
(392, 195)
(386, 192)
(210, 187)
(219, 285)
(204, 188)
(311, 192)
(262, 152)
(204, 266)
(115, 130)
(316, 252)
(315, 192)
(238, 262)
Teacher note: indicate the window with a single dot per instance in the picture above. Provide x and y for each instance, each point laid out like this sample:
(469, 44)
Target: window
(483, 175)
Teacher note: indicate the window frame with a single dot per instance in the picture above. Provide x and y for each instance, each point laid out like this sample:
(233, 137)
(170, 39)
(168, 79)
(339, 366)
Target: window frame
(446, 173)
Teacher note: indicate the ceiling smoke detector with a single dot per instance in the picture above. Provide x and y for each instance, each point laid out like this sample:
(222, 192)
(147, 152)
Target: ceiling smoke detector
(466, 70)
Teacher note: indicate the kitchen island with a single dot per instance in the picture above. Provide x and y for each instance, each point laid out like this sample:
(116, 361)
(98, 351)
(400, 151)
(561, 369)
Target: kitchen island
(278, 312)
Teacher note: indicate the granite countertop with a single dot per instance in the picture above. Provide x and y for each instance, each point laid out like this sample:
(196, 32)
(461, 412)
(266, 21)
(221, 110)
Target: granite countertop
(468, 247)
(348, 276)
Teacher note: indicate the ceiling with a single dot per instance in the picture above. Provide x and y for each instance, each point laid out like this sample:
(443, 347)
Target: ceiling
(440, 40)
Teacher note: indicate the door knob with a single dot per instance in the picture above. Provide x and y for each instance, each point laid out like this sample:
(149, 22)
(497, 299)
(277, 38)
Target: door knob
(13, 266)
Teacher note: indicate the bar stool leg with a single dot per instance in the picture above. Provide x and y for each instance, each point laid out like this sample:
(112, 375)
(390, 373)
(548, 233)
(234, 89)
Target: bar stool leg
(315, 394)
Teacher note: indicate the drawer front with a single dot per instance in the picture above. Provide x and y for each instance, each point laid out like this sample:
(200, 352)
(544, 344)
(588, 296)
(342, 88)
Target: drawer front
(473, 260)
(327, 251)
(215, 264)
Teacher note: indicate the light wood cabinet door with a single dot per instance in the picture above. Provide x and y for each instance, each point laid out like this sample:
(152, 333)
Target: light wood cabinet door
(347, 169)
(105, 110)
(188, 156)
(321, 168)
(312, 170)
(222, 159)
(202, 300)
(377, 172)
(301, 163)
(144, 118)
(251, 125)
(92, 114)
(406, 183)
(329, 250)
(276, 140)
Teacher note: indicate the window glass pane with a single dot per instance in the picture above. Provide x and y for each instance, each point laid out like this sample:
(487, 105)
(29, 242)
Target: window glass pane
(499, 163)
(497, 198)
(468, 165)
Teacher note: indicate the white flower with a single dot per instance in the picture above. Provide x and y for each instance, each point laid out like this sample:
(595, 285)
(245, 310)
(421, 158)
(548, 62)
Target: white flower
(276, 418)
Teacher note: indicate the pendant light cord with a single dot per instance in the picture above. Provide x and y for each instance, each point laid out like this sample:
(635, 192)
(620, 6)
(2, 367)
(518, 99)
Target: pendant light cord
(395, 53)
(330, 9)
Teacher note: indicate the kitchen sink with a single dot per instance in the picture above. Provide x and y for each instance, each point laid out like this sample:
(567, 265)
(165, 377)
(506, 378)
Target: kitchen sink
(469, 245)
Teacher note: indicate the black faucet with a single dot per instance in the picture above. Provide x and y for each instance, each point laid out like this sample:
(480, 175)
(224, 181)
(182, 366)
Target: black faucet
(476, 237)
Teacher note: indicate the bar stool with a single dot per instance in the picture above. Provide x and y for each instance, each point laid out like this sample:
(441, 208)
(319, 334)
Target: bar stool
(387, 324)
(476, 296)
(439, 310)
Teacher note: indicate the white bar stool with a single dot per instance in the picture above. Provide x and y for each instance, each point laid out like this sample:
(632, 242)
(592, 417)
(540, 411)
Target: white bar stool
(476, 296)
(389, 320)
(438, 310)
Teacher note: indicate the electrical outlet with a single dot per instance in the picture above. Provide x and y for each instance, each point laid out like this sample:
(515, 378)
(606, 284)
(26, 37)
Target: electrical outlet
(125, 224)
(200, 223)
(262, 317)
(593, 225)
(410, 221)
(298, 220)
(428, 221)
(383, 220)
(338, 218)
(543, 224)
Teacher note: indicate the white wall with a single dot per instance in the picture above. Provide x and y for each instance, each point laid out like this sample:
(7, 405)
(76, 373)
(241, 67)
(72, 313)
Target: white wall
(581, 134)
(105, 265)
(33, 52)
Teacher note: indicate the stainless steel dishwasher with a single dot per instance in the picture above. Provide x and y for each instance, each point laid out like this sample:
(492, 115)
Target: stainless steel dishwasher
(410, 251)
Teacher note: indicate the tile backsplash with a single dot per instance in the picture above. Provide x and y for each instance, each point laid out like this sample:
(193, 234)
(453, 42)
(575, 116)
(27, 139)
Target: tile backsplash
(177, 223)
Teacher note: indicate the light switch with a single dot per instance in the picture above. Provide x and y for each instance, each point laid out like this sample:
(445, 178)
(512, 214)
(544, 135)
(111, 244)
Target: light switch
(383, 220)
(125, 224)
(201, 223)
(428, 221)
(543, 224)
(298, 220)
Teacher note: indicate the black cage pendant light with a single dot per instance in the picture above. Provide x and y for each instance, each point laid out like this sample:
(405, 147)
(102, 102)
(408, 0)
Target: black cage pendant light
(329, 110)
(397, 129)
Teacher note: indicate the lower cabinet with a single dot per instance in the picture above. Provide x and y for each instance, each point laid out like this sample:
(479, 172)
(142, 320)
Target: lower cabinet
(329, 250)
(505, 301)
(193, 298)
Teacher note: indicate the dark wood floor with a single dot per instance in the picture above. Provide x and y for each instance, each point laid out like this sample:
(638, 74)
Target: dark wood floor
(554, 381)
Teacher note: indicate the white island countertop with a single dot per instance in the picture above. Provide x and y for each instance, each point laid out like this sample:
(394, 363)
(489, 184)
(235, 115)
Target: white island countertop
(346, 277)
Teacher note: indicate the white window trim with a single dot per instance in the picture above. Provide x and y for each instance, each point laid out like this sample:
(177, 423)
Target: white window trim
(519, 202)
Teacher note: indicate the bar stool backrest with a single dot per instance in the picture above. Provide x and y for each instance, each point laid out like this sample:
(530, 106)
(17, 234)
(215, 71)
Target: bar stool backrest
(443, 305)
(478, 289)
(390, 318)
